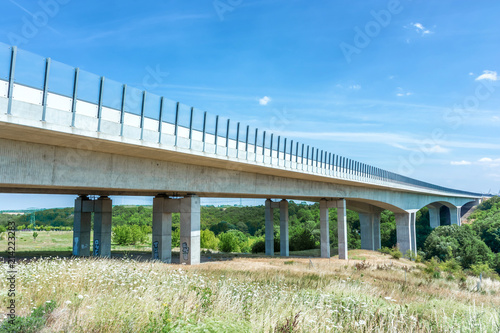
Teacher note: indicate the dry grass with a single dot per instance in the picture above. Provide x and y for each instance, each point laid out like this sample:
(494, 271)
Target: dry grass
(253, 295)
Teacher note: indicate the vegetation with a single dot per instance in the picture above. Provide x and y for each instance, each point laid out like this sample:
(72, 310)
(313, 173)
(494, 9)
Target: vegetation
(254, 295)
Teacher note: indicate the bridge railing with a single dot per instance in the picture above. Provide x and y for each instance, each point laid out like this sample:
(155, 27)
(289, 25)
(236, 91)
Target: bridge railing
(72, 97)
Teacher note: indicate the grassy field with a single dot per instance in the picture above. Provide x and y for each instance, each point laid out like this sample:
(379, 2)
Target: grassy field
(250, 295)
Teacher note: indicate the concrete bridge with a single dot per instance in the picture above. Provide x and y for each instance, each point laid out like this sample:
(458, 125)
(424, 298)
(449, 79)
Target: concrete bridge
(67, 131)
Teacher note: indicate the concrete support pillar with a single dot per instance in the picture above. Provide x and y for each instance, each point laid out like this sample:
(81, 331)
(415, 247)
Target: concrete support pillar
(102, 227)
(455, 216)
(434, 216)
(366, 228)
(324, 228)
(370, 231)
(190, 230)
(81, 226)
(162, 230)
(377, 243)
(404, 227)
(284, 240)
(413, 228)
(269, 228)
(342, 228)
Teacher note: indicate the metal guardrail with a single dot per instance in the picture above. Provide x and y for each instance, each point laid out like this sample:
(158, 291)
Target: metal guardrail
(51, 78)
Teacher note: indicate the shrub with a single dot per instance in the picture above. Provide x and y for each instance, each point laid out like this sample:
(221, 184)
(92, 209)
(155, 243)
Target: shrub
(302, 240)
(229, 242)
(176, 237)
(259, 246)
(30, 324)
(385, 250)
(396, 254)
(128, 235)
(208, 240)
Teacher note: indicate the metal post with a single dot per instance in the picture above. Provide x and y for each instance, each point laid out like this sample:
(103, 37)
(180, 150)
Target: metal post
(256, 142)
(160, 123)
(191, 129)
(263, 146)
(75, 93)
(99, 105)
(143, 107)
(278, 150)
(291, 152)
(246, 143)
(227, 137)
(12, 73)
(204, 129)
(271, 149)
(237, 138)
(307, 158)
(176, 125)
(216, 132)
(122, 114)
(46, 88)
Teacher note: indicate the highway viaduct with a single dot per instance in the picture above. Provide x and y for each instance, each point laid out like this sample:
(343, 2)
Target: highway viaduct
(66, 131)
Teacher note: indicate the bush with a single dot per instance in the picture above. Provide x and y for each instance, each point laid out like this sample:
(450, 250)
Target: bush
(128, 234)
(30, 324)
(302, 240)
(208, 240)
(460, 242)
(259, 246)
(396, 254)
(229, 242)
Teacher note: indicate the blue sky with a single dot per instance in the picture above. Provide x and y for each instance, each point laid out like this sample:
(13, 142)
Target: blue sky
(409, 86)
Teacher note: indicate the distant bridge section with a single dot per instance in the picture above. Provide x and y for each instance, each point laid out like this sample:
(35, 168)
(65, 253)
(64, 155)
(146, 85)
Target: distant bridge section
(64, 130)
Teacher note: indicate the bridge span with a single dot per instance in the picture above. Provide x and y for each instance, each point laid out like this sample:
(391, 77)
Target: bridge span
(67, 131)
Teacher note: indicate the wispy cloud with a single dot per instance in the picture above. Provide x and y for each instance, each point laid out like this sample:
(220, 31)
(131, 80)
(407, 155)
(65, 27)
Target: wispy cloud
(355, 87)
(462, 162)
(488, 75)
(419, 29)
(400, 92)
(264, 100)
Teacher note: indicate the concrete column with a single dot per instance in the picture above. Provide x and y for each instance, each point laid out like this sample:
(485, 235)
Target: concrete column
(413, 227)
(190, 230)
(324, 228)
(404, 231)
(366, 228)
(162, 230)
(370, 231)
(376, 232)
(455, 216)
(269, 229)
(434, 216)
(81, 226)
(284, 240)
(342, 228)
(102, 227)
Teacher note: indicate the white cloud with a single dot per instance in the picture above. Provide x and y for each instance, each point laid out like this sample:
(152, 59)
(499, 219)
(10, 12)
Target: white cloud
(436, 149)
(264, 100)
(400, 92)
(355, 87)
(462, 162)
(496, 118)
(490, 162)
(486, 160)
(488, 75)
(419, 28)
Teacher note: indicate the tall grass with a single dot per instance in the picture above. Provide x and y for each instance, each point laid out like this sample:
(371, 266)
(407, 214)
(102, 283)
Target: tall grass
(248, 295)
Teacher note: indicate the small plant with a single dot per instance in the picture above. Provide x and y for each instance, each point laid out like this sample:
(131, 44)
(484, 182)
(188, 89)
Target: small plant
(395, 253)
(35, 235)
(290, 326)
(362, 265)
(30, 324)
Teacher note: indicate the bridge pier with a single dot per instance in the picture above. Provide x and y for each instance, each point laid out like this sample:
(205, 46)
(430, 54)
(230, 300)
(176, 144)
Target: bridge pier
(434, 216)
(370, 231)
(284, 236)
(455, 216)
(102, 227)
(162, 230)
(189, 209)
(406, 233)
(82, 226)
(342, 228)
(324, 228)
(190, 230)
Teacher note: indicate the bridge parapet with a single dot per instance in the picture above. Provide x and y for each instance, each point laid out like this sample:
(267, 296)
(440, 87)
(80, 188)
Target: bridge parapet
(41, 93)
